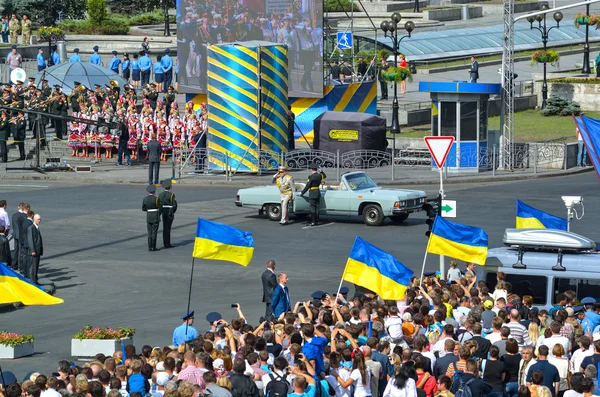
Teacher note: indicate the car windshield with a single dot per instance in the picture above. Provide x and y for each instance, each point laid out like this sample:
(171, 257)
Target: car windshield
(360, 181)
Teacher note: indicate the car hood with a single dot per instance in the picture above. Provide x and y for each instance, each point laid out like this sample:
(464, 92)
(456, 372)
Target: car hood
(401, 193)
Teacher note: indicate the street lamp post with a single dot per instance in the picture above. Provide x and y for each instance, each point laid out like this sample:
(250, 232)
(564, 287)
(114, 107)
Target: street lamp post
(585, 69)
(167, 31)
(392, 28)
(541, 19)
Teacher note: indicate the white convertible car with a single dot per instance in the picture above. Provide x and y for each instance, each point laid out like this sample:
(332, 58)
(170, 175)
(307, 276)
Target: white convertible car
(356, 194)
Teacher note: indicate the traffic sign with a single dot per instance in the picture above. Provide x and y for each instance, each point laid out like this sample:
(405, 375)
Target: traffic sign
(449, 208)
(344, 40)
(439, 147)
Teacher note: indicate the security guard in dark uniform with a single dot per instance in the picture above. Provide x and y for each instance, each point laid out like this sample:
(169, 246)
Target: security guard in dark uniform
(152, 96)
(151, 206)
(4, 131)
(168, 207)
(314, 193)
(17, 128)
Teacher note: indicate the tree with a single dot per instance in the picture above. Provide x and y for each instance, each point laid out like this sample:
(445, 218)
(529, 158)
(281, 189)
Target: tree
(97, 11)
(40, 12)
(134, 7)
(74, 9)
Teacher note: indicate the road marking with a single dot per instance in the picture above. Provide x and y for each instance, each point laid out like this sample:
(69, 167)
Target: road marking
(32, 186)
(313, 227)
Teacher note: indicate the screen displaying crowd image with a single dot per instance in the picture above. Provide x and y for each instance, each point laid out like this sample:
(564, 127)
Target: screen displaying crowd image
(295, 23)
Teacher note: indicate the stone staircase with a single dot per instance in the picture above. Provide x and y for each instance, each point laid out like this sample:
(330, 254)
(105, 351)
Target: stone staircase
(387, 6)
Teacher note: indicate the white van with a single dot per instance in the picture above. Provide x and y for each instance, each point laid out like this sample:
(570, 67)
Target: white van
(544, 263)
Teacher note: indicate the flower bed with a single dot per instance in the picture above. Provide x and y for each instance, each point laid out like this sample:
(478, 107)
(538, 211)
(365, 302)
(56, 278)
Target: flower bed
(397, 74)
(90, 341)
(14, 345)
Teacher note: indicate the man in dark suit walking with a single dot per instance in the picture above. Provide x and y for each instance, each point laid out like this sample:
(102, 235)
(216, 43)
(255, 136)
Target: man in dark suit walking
(35, 249)
(474, 70)
(269, 283)
(153, 160)
(23, 257)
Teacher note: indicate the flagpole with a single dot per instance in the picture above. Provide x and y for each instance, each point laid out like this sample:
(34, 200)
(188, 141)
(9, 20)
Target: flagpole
(341, 282)
(189, 301)
(423, 268)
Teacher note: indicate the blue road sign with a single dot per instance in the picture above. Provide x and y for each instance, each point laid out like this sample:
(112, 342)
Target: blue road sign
(344, 40)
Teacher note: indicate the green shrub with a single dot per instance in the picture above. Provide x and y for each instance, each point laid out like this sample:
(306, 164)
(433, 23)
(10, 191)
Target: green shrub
(149, 18)
(341, 6)
(97, 11)
(112, 26)
(557, 105)
(77, 27)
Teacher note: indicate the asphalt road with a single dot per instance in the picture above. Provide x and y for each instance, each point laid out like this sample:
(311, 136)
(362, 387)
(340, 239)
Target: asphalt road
(95, 253)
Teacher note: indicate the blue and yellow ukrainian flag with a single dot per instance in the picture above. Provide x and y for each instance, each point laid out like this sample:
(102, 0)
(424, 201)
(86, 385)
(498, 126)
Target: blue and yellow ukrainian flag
(466, 243)
(15, 288)
(529, 217)
(223, 242)
(374, 269)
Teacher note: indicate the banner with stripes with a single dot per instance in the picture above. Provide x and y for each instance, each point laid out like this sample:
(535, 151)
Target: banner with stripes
(233, 106)
(236, 75)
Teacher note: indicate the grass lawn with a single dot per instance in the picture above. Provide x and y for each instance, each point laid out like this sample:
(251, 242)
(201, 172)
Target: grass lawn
(530, 126)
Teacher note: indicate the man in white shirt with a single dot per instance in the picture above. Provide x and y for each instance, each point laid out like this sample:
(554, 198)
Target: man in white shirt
(334, 362)
(51, 385)
(393, 325)
(581, 353)
(556, 338)
(4, 218)
(495, 336)
(447, 333)
(280, 364)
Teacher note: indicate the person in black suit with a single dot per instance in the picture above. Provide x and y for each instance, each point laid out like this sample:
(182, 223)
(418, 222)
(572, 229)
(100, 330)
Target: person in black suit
(474, 70)
(483, 345)
(24, 250)
(28, 220)
(5, 248)
(15, 223)
(269, 283)
(313, 186)
(35, 250)
(154, 153)
(441, 364)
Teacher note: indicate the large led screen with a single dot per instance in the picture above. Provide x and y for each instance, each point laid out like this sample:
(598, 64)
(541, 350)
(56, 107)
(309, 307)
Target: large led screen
(295, 23)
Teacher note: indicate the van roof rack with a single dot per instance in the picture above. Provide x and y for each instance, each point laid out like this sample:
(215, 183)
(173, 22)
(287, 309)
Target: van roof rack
(546, 239)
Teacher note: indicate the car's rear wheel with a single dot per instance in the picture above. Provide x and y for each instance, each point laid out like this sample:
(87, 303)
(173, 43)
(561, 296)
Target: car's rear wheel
(373, 215)
(399, 218)
(273, 212)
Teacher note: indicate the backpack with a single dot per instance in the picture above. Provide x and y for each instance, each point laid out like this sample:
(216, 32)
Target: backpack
(464, 390)
(277, 387)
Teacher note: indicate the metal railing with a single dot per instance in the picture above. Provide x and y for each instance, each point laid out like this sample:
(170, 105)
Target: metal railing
(527, 156)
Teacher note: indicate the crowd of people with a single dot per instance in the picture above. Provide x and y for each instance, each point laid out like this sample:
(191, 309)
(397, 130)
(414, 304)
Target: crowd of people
(212, 22)
(452, 337)
(10, 29)
(115, 124)
(24, 228)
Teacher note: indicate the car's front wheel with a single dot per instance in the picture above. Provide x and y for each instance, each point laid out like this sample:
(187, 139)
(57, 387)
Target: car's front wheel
(373, 215)
(273, 212)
